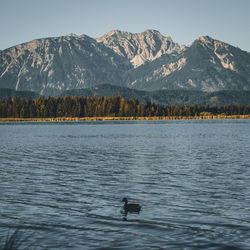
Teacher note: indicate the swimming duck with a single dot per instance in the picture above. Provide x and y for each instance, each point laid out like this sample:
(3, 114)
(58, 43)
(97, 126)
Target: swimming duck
(131, 208)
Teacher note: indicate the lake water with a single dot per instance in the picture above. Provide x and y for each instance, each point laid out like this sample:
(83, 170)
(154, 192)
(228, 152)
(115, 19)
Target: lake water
(63, 183)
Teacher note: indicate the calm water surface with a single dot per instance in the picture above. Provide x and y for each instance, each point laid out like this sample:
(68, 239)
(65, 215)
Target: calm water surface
(63, 183)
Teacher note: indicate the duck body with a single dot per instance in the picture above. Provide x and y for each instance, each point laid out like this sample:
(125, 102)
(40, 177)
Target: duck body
(130, 208)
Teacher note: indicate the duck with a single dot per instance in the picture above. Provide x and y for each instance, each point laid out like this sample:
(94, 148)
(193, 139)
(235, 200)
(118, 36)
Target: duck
(131, 208)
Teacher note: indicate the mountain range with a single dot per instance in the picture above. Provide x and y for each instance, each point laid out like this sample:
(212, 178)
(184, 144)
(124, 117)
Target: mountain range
(146, 62)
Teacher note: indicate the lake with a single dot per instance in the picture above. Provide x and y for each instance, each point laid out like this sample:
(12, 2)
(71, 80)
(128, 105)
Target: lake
(62, 183)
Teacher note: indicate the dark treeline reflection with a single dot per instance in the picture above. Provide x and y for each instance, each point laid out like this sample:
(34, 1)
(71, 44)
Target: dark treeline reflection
(115, 106)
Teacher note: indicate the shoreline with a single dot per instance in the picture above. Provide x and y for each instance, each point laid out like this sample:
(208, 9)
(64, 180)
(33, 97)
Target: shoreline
(151, 118)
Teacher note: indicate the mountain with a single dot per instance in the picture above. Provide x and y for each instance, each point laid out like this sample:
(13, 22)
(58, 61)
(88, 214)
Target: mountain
(145, 61)
(139, 48)
(50, 65)
(207, 65)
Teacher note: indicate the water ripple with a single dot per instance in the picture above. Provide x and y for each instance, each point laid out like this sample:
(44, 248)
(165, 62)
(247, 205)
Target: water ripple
(64, 183)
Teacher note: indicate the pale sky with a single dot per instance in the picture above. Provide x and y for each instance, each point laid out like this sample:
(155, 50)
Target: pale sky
(183, 20)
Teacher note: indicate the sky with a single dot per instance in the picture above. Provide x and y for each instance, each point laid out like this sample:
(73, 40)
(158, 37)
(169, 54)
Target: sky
(183, 20)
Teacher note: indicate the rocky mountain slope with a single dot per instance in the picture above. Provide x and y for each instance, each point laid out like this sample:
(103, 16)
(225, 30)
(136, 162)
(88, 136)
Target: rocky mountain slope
(139, 48)
(143, 61)
(207, 65)
(50, 65)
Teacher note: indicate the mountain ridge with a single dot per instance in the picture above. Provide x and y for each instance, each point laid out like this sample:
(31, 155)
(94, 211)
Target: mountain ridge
(139, 48)
(199, 67)
(145, 61)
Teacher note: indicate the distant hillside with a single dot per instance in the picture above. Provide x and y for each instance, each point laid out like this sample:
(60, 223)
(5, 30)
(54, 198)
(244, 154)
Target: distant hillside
(109, 90)
(176, 97)
(6, 93)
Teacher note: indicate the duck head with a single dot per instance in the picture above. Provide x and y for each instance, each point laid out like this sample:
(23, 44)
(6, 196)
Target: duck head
(125, 200)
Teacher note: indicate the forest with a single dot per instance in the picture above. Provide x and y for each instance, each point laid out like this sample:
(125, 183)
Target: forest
(114, 106)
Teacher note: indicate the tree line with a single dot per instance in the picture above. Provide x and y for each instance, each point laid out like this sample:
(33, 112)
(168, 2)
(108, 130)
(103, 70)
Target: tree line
(114, 106)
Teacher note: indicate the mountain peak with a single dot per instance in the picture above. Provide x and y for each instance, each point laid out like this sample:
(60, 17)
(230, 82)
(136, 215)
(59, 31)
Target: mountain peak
(72, 34)
(139, 48)
(155, 32)
(152, 31)
(115, 32)
(205, 39)
(130, 34)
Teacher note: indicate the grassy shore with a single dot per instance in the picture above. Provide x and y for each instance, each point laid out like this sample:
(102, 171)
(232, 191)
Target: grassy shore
(58, 119)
